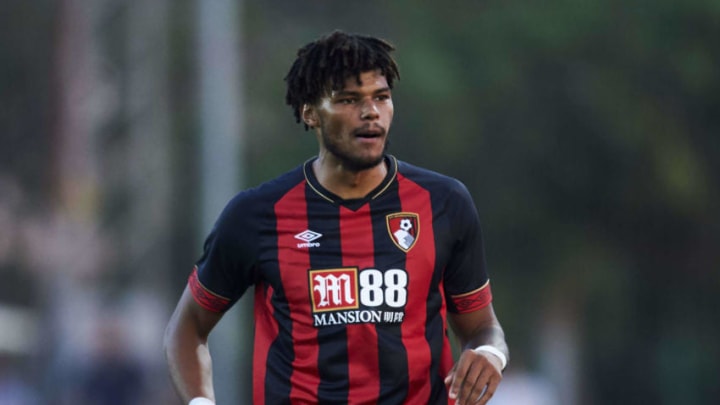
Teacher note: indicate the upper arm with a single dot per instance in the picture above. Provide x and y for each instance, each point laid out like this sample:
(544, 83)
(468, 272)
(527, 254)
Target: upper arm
(465, 277)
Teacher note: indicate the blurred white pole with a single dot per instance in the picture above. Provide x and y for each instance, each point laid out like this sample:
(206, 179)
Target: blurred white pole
(221, 122)
(560, 352)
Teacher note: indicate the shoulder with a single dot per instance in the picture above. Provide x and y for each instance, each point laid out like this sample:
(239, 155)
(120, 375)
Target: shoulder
(431, 180)
(252, 201)
(447, 193)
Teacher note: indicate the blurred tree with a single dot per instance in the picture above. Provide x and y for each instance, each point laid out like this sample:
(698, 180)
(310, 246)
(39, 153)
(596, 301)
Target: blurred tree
(588, 133)
(25, 99)
(586, 130)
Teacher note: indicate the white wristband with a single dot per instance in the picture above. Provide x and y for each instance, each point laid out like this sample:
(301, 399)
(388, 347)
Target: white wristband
(201, 401)
(494, 350)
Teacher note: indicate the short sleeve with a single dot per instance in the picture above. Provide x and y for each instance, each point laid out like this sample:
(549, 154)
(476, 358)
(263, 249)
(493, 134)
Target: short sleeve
(225, 269)
(466, 283)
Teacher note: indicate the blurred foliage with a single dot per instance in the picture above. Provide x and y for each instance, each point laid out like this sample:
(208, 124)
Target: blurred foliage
(588, 132)
(26, 92)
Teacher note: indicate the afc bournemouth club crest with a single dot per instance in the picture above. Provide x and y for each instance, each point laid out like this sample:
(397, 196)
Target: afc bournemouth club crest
(404, 228)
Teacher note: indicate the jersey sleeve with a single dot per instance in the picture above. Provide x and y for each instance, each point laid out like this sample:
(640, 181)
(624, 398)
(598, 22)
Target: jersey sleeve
(466, 282)
(225, 269)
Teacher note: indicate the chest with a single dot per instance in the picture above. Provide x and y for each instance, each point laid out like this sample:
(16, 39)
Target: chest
(380, 256)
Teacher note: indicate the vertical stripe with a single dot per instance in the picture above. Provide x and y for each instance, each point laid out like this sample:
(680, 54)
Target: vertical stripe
(420, 264)
(332, 360)
(266, 330)
(356, 236)
(291, 214)
(392, 354)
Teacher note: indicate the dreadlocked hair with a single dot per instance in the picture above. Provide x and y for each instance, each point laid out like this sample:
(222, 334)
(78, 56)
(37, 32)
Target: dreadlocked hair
(325, 64)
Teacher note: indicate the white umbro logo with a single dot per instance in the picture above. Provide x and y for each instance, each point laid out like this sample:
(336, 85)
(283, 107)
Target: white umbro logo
(308, 236)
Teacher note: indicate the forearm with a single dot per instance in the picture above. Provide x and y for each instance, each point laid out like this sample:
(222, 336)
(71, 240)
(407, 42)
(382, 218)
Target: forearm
(190, 368)
(491, 335)
(186, 349)
(479, 329)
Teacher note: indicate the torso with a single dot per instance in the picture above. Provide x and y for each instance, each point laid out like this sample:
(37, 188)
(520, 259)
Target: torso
(349, 294)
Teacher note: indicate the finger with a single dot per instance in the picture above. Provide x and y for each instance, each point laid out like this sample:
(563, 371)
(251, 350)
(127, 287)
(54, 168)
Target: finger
(472, 383)
(486, 381)
(449, 377)
(489, 390)
(470, 390)
(458, 377)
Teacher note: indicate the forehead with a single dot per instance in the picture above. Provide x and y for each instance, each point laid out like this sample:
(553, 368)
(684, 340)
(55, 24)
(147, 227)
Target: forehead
(369, 80)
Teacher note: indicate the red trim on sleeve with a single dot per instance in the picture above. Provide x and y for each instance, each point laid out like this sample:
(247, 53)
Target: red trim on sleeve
(204, 297)
(473, 300)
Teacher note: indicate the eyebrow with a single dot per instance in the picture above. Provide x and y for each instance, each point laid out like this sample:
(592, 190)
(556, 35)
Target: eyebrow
(341, 93)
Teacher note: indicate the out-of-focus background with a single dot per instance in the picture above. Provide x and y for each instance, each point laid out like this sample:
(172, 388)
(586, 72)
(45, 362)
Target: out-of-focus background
(587, 131)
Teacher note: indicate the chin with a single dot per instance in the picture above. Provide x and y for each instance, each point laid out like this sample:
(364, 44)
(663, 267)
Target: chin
(358, 165)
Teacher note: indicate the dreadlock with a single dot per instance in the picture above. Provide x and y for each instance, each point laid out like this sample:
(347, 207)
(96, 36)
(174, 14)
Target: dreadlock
(325, 64)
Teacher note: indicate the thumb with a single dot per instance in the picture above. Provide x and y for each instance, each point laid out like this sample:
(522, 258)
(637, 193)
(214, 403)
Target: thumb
(450, 376)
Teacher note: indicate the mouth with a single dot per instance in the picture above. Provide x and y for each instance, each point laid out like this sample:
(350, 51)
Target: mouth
(369, 133)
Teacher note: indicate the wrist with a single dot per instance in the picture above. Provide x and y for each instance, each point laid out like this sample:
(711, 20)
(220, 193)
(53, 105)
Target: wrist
(201, 401)
(494, 351)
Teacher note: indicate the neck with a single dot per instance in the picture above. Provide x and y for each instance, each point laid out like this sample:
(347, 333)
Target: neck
(348, 184)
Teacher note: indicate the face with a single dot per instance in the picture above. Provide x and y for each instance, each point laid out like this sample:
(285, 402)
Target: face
(353, 123)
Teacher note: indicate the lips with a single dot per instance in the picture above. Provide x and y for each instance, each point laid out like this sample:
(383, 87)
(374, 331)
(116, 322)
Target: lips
(374, 132)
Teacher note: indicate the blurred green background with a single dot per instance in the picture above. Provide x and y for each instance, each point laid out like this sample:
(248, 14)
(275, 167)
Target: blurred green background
(587, 131)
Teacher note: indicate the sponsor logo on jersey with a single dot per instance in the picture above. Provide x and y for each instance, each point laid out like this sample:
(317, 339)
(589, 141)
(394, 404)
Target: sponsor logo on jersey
(334, 289)
(347, 295)
(404, 229)
(308, 238)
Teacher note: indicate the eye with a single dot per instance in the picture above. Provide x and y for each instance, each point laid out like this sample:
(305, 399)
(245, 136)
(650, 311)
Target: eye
(382, 97)
(346, 101)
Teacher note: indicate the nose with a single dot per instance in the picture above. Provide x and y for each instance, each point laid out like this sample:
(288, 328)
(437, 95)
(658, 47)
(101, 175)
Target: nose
(369, 110)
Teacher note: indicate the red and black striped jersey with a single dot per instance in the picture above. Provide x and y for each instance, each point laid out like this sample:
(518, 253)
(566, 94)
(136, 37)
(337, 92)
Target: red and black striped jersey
(351, 296)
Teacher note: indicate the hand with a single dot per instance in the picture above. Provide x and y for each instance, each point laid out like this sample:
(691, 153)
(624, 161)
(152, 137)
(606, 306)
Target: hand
(474, 378)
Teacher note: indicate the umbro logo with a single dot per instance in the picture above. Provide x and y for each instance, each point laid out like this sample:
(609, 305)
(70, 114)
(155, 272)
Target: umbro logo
(308, 237)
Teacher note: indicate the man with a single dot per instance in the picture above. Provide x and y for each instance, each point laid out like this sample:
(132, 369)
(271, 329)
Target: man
(359, 261)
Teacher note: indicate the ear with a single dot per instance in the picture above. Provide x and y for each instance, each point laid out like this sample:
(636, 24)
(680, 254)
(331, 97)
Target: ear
(309, 115)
